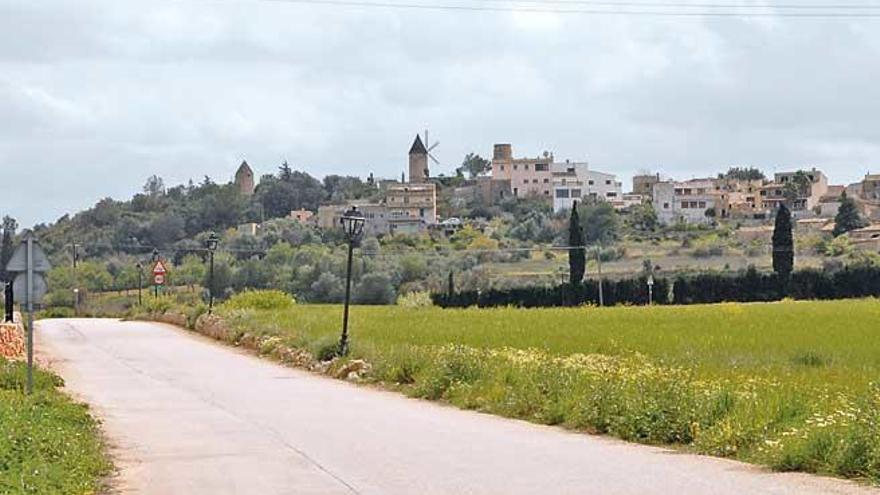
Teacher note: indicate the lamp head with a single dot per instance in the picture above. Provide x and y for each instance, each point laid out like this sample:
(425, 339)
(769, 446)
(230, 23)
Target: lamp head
(353, 224)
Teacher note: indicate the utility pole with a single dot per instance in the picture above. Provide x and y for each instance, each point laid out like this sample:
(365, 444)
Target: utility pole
(75, 280)
(599, 266)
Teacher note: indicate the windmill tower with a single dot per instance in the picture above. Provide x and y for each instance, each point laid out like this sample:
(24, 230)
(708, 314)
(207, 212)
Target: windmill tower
(418, 159)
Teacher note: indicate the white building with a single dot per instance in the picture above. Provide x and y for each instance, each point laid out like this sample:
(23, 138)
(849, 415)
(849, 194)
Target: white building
(574, 181)
(685, 202)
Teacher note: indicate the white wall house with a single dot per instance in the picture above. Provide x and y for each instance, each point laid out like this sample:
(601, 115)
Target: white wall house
(576, 182)
(684, 202)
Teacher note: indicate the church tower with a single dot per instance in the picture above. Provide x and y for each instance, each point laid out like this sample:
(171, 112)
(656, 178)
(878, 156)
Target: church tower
(244, 179)
(418, 162)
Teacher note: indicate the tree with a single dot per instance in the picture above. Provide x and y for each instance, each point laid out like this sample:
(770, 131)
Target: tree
(474, 165)
(7, 247)
(644, 217)
(284, 172)
(743, 173)
(375, 288)
(600, 221)
(848, 217)
(797, 187)
(783, 243)
(577, 256)
(154, 186)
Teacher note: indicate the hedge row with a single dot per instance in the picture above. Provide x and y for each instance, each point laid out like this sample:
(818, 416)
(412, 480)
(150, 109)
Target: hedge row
(747, 286)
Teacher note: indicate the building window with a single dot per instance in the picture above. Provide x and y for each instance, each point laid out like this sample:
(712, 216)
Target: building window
(607, 182)
(546, 193)
(501, 167)
(702, 204)
(534, 181)
(575, 193)
(526, 166)
(516, 167)
(542, 167)
(611, 194)
(562, 193)
(421, 212)
(546, 180)
(515, 191)
(665, 206)
(525, 181)
(591, 182)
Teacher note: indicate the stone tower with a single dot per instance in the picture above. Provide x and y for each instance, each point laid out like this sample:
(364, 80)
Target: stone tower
(418, 162)
(244, 179)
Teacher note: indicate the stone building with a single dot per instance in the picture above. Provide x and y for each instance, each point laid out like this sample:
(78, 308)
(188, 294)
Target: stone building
(244, 179)
(685, 202)
(644, 184)
(527, 176)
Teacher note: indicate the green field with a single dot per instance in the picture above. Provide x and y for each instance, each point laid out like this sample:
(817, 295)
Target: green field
(785, 384)
(48, 443)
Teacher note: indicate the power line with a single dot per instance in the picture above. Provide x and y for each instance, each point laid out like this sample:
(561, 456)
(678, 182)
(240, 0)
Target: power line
(766, 12)
(737, 6)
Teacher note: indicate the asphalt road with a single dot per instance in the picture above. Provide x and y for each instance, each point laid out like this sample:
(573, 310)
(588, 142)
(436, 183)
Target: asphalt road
(189, 416)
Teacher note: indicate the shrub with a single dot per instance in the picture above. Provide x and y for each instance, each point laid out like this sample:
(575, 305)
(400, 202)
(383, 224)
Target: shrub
(420, 299)
(261, 300)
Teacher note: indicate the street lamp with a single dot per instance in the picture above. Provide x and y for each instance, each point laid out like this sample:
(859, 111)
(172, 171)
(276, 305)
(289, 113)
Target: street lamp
(211, 243)
(140, 269)
(650, 290)
(353, 225)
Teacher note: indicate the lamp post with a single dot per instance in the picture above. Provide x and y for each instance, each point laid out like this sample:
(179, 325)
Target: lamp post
(353, 225)
(650, 290)
(140, 269)
(211, 243)
(155, 260)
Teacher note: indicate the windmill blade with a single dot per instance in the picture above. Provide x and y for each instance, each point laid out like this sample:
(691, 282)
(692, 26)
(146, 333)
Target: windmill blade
(431, 148)
(433, 159)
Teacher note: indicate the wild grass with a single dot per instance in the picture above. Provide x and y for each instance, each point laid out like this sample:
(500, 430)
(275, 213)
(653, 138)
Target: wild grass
(48, 443)
(789, 384)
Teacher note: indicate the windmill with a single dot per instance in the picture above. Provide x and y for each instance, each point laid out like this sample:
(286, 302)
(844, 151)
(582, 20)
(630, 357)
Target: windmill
(430, 147)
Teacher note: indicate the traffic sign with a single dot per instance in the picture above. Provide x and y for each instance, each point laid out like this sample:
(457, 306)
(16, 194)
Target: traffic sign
(158, 279)
(19, 261)
(159, 268)
(20, 292)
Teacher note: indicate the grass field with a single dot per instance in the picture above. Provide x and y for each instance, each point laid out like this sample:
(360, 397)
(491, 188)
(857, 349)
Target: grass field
(788, 384)
(48, 443)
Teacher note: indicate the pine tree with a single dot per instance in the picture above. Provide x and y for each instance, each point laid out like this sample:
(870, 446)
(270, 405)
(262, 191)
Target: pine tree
(848, 217)
(783, 244)
(577, 258)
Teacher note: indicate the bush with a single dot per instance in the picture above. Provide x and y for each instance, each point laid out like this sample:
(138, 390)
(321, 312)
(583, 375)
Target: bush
(419, 299)
(261, 299)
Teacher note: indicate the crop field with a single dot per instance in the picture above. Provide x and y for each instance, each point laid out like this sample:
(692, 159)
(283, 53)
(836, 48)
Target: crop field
(789, 384)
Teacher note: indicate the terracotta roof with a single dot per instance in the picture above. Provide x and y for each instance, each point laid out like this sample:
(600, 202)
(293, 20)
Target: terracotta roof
(418, 148)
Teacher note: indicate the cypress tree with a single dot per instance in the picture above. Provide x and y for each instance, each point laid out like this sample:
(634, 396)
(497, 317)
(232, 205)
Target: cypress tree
(848, 217)
(783, 244)
(577, 258)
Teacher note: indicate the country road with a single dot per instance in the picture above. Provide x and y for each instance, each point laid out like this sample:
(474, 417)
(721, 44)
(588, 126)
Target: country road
(188, 416)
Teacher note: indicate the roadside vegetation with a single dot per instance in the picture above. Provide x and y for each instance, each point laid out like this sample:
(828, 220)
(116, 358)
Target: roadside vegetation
(791, 385)
(48, 443)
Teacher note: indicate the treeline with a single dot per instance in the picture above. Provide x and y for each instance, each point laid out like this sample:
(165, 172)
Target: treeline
(708, 288)
(172, 217)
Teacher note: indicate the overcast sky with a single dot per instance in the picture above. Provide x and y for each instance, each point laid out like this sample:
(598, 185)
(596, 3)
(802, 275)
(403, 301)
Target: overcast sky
(95, 96)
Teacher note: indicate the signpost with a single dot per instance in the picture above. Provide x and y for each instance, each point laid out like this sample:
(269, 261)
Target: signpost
(651, 290)
(159, 272)
(29, 262)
